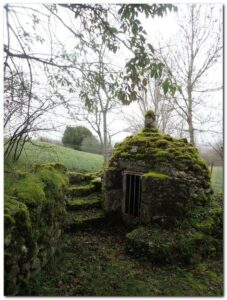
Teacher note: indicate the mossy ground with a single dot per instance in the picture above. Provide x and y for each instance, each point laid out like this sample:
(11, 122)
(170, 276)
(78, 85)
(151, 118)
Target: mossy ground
(94, 263)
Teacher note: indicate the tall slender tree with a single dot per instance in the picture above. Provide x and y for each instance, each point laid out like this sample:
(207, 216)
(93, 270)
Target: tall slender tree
(191, 58)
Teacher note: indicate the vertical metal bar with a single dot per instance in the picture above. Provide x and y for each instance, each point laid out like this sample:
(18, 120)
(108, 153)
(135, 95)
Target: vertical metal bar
(129, 194)
(139, 196)
(134, 197)
(124, 194)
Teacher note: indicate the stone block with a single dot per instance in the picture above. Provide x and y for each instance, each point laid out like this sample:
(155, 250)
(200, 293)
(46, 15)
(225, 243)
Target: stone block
(113, 200)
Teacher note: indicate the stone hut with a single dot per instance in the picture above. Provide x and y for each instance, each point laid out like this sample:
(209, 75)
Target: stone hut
(152, 177)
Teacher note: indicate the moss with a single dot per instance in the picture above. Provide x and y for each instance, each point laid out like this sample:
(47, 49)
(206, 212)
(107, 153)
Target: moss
(150, 113)
(164, 154)
(34, 208)
(18, 214)
(92, 201)
(56, 166)
(85, 219)
(29, 190)
(161, 153)
(83, 190)
(53, 182)
(164, 246)
(156, 176)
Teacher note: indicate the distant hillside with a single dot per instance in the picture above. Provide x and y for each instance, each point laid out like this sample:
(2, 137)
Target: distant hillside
(42, 152)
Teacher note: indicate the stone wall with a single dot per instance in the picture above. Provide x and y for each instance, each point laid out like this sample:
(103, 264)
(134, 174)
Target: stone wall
(34, 217)
(159, 201)
(112, 190)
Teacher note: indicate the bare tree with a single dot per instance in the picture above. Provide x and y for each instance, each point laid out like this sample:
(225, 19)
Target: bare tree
(153, 98)
(97, 90)
(190, 59)
(31, 28)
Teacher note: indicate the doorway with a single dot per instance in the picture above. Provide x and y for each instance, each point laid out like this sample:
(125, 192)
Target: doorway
(132, 194)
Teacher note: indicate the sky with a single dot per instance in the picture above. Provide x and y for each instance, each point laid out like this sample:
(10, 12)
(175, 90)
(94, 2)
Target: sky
(160, 30)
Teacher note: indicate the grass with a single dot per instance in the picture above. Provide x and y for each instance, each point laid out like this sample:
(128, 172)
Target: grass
(42, 152)
(217, 179)
(95, 264)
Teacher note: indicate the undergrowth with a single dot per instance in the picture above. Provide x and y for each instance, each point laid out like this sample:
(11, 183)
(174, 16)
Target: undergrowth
(95, 264)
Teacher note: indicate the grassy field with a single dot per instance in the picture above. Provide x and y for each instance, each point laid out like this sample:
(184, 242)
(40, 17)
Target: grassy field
(41, 152)
(217, 179)
(95, 264)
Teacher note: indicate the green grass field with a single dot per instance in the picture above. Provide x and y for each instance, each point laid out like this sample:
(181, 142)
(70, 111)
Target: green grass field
(217, 179)
(41, 152)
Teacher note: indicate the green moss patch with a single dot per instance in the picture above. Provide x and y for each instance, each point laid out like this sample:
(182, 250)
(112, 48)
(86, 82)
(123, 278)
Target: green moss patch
(82, 190)
(154, 146)
(85, 219)
(150, 113)
(92, 201)
(156, 176)
(163, 246)
(77, 178)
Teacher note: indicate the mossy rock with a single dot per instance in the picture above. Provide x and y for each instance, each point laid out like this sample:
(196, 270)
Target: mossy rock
(150, 113)
(97, 183)
(17, 213)
(81, 190)
(163, 246)
(92, 201)
(51, 166)
(156, 176)
(78, 178)
(153, 146)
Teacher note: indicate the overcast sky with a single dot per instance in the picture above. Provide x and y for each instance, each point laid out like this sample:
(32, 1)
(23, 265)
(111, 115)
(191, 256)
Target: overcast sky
(160, 31)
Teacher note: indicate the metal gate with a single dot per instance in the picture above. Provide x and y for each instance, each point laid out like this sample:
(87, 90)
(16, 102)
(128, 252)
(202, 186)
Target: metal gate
(132, 194)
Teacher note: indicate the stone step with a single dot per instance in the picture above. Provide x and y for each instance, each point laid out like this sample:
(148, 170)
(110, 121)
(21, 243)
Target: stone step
(81, 190)
(92, 201)
(85, 219)
(78, 178)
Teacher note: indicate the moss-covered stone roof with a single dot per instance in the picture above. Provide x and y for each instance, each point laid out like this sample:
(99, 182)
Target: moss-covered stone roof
(161, 153)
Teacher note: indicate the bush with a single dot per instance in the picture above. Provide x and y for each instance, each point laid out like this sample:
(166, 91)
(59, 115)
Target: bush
(73, 136)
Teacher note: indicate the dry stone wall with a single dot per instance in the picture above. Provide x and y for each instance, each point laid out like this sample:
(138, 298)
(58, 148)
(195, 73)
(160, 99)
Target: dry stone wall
(34, 218)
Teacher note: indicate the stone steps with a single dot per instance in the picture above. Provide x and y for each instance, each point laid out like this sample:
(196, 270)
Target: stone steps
(84, 219)
(89, 202)
(81, 190)
(84, 202)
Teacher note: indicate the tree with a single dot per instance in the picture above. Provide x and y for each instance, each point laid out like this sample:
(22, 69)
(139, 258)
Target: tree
(98, 86)
(28, 27)
(190, 59)
(152, 98)
(74, 136)
(23, 112)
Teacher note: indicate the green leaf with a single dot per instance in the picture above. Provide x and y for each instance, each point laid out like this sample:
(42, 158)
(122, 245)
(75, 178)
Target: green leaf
(134, 28)
(151, 48)
(165, 85)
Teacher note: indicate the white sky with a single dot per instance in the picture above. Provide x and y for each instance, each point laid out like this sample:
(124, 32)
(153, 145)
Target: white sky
(159, 30)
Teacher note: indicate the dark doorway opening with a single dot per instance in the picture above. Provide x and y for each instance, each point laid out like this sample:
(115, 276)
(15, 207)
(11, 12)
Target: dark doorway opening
(132, 194)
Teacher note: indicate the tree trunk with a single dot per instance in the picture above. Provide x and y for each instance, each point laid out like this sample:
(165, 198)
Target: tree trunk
(190, 121)
(105, 138)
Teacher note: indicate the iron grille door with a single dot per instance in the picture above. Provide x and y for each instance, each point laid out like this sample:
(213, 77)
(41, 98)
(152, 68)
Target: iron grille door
(132, 194)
